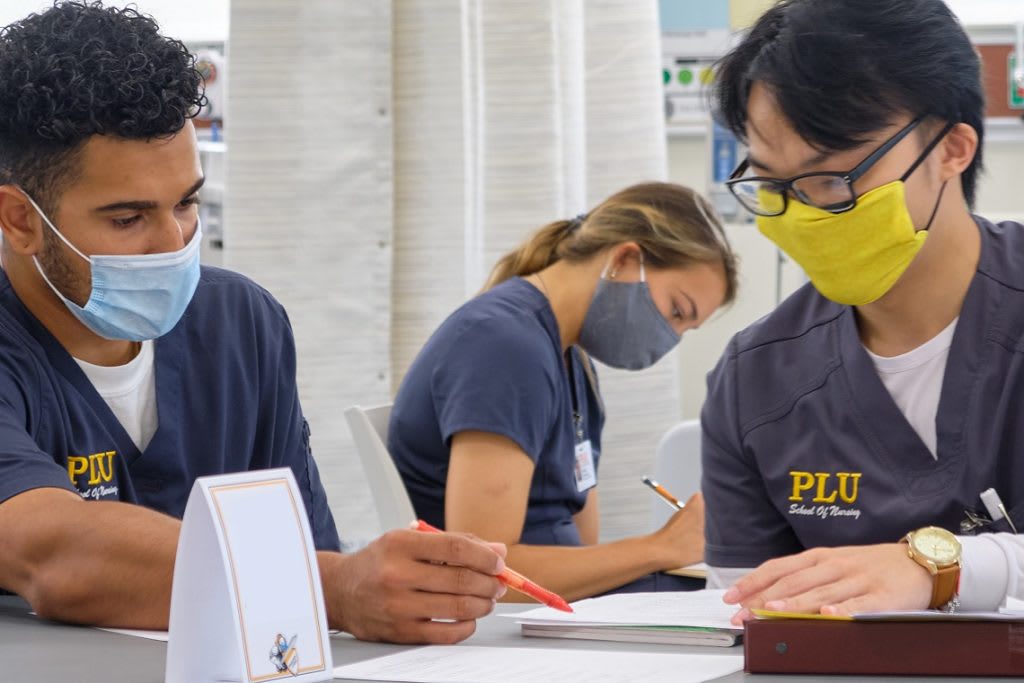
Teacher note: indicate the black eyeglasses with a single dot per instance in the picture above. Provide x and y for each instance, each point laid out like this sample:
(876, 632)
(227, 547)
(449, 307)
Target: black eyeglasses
(828, 190)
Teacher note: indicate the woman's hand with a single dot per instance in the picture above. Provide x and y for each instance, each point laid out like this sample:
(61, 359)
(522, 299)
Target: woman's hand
(681, 541)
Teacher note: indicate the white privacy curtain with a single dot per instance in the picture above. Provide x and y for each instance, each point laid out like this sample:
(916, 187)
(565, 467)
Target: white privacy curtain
(382, 156)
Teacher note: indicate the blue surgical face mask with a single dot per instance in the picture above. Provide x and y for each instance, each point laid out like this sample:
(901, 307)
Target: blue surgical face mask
(134, 297)
(623, 328)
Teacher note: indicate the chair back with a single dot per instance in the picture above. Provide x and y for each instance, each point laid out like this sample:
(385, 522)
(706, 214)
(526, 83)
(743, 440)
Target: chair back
(369, 427)
(676, 467)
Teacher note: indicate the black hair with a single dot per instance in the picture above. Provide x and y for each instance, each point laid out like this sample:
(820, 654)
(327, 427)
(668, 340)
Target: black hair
(843, 69)
(80, 69)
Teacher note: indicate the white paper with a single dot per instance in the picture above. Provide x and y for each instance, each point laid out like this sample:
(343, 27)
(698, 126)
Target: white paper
(685, 608)
(1012, 606)
(138, 633)
(468, 664)
(935, 615)
(160, 635)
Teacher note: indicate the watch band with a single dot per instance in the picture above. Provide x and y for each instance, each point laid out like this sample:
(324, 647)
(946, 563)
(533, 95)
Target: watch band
(947, 584)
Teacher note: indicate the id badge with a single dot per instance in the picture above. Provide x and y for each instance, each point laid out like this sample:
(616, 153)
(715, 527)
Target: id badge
(586, 477)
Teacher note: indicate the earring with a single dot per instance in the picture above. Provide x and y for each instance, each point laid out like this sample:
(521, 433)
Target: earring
(611, 275)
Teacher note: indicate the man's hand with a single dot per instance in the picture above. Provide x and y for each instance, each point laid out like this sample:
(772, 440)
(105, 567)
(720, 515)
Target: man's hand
(835, 581)
(393, 589)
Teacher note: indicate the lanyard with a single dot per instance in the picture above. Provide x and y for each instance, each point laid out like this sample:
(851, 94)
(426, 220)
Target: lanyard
(577, 413)
(577, 416)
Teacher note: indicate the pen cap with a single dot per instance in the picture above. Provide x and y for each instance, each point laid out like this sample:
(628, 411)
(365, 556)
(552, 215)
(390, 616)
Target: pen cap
(992, 503)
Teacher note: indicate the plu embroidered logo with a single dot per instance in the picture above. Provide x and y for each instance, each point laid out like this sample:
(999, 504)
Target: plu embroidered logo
(829, 494)
(93, 474)
(284, 655)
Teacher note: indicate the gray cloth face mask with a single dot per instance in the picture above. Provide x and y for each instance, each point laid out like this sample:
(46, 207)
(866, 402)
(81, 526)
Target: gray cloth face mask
(623, 328)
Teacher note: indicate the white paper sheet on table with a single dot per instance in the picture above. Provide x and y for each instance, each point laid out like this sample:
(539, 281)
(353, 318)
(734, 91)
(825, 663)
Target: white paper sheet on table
(703, 609)
(1012, 605)
(152, 635)
(935, 615)
(469, 664)
(137, 633)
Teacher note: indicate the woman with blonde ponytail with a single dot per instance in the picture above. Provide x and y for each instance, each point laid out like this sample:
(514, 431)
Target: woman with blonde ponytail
(496, 429)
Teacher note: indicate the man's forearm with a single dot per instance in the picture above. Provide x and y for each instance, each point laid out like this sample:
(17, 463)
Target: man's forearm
(99, 563)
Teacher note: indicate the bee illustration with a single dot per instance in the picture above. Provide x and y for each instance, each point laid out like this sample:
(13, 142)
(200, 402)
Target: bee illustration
(284, 655)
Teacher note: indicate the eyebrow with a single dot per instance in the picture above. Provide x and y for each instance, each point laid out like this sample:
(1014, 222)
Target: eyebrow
(813, 161)
(145, 205)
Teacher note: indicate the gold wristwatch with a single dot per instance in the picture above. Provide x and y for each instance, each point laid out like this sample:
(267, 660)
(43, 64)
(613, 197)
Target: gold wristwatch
(938, 551)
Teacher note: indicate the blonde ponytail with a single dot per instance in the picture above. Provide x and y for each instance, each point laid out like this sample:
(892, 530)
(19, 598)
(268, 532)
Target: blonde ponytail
(539, 252)
(673, 225)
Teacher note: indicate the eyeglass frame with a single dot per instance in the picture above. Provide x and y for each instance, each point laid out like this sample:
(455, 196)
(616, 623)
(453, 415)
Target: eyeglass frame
(849, 177)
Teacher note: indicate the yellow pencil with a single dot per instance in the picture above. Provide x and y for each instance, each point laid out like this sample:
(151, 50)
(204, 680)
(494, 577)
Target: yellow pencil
(665, 495)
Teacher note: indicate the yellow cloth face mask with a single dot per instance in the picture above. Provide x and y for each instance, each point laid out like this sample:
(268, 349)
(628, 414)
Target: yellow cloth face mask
(852, 258)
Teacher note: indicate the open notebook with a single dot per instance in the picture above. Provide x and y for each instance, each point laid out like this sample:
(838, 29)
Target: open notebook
(685, 618)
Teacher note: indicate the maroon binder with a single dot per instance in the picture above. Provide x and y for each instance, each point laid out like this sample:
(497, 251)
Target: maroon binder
(894, 648)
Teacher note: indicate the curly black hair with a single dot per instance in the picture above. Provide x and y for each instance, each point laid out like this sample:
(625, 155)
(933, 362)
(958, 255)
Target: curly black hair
(80, 69)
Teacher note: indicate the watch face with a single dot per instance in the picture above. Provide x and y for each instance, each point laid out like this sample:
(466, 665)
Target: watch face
(937, 545)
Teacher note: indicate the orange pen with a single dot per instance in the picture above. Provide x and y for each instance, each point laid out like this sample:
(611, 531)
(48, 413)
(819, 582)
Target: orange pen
(515, 580)
(665, 495)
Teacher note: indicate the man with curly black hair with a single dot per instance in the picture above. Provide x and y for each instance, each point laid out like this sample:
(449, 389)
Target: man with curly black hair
(127, 370)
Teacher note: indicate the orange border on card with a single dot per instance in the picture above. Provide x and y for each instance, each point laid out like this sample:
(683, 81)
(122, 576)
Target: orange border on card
(214, 490)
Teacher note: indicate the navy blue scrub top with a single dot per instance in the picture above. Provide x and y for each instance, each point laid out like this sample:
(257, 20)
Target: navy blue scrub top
(803, 445)
(496, 365)
(226, 401)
